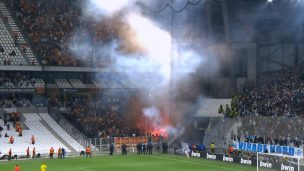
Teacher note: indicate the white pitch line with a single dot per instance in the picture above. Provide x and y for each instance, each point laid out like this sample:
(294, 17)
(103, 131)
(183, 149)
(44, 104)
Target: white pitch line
(143, 164)
(119, 165)
(81, 168)
(215, 170)
(184, 161)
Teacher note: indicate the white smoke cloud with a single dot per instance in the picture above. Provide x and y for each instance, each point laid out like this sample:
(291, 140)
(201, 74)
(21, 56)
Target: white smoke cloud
(80, 44)
(105, 7)
(153, 114)
(161, 58)
(155, 41)
(186, 60)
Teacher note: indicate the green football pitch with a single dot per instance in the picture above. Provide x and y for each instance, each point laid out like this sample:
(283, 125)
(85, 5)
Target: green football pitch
(156, 162)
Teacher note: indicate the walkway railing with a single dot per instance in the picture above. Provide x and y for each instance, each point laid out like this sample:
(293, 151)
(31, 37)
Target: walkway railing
(70, 129)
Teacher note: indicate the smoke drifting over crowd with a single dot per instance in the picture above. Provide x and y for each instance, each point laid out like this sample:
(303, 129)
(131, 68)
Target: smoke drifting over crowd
(146, 52)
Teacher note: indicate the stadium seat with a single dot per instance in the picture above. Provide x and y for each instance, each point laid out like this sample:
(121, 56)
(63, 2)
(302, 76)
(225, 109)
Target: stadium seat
(76, 83)
(62, 83)
(44, 138)
(9, 43)
(61, 132)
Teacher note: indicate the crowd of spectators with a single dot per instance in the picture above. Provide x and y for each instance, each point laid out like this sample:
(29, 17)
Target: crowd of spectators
(50, 26)
(12, 100)
(284, 131)
(22, 46)
(47, 23)
(96, 117)
(271, 109)
(16, 80)
(280, 95)
(231, 110)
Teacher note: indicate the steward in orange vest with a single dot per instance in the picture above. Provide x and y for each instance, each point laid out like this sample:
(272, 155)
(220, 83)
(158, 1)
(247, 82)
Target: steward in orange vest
(52, 153)
(11, 140)
(88, 151)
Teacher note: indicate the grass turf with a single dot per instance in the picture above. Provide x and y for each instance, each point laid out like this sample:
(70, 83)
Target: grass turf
(156, 162)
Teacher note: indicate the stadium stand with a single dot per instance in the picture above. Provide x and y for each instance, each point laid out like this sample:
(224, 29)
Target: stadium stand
(92, 124)
(19, 39)
(44, 137)
(63, 83)
(62, 133)
(19, 80)
(284, 131)
(100, 84)
(63, 20)
(13, 101)
(10, 55)
(35, 17)
(111, 84)
(76, 83)
(94, 116)
(266, 110)
(39, 83)
(281, 95)
(270, 110)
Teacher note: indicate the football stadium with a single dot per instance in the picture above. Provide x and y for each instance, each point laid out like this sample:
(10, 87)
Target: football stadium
(152, 85)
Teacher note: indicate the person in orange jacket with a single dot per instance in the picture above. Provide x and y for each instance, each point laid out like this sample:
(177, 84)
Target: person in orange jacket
(88, 151)
(17, 168)
(20, 132)
(52, 153)
(33, 140)
(11, 140)
(18, 126)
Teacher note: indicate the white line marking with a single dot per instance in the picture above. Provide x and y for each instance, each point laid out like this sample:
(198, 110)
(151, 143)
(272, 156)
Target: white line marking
(81, 168)
(121, 165)
(172, 159)
(184, 161)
